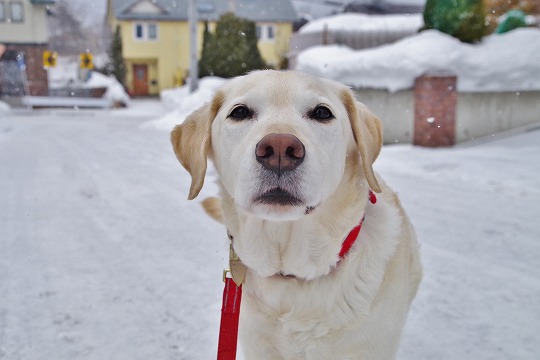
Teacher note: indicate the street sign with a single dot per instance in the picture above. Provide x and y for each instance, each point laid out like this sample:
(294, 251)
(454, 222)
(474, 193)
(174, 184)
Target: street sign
(87, 61)
(49, 58)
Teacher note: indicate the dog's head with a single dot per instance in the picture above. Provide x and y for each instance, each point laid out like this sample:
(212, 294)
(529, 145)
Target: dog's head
(279, 142)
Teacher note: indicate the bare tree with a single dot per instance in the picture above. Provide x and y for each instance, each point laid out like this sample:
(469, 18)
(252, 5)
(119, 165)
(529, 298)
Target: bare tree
(66, 33)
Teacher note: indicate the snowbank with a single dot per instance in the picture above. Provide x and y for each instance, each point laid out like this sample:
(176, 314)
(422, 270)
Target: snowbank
(181, 103)
(363, 22)
(507, 62)
(115, 91)
(4, 108)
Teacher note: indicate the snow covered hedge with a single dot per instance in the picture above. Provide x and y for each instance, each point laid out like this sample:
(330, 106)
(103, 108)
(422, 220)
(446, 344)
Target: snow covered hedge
(507, 62)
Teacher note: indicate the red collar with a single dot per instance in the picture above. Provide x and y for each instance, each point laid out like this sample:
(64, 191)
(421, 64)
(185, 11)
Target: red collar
(353, 235)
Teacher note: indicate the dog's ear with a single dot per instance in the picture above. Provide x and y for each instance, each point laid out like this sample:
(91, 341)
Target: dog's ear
(367, 130)
(212, 207)
(192, 144)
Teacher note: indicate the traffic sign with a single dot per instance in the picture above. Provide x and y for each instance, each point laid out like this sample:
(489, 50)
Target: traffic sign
(49, 58)
(87, 61)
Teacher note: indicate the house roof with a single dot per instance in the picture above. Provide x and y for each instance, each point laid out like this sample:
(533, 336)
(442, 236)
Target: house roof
(383, 8)
(175, 10)
(42, 2)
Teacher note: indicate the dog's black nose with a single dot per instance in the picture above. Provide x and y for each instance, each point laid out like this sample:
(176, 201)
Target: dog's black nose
(280, 152)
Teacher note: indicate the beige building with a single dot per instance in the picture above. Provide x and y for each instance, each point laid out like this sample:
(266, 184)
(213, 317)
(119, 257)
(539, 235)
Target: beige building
(155, 35)
(23, 38)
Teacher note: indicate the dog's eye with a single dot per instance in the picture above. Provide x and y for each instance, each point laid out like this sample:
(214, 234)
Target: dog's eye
(322, 113)
(240, 113)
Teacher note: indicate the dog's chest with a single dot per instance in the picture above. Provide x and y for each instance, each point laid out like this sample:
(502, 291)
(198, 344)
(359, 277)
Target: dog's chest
(301, 250)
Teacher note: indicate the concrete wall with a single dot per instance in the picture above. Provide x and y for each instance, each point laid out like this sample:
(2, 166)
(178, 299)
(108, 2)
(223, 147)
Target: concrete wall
(483, 114)
(477, 114)
(396, 111)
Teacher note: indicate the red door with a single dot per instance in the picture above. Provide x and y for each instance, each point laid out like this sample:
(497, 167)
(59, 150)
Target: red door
(140, 79)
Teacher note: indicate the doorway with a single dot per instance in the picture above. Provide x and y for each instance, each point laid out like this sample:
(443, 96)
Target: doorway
(140, 79)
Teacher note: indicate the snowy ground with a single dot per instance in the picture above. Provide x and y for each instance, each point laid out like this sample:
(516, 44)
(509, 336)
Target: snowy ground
(102, 256)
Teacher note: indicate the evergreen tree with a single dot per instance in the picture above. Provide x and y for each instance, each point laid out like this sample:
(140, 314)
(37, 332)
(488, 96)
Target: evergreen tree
(232, 50)
(463, 19)
(116, 65)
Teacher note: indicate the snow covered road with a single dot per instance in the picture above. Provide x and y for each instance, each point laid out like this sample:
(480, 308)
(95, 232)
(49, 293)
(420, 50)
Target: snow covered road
(97, 258)
(102, 256)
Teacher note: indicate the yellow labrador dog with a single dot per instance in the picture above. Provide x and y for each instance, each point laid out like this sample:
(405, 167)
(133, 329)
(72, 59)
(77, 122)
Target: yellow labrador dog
(294, 156)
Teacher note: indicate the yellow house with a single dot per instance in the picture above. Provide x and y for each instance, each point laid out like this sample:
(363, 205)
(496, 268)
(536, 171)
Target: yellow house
(155, 35)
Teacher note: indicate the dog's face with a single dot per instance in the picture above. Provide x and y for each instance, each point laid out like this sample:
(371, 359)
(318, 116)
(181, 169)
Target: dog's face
(279, 142)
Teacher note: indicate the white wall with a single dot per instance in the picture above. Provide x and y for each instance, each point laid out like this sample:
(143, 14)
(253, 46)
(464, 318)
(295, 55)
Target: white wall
(31, 31)
(396, 111)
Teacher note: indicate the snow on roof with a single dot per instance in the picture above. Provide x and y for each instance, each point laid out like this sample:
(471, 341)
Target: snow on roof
(361, 22)
(507, 62)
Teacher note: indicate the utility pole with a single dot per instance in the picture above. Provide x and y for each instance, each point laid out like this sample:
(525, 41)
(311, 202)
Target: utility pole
(193, 42)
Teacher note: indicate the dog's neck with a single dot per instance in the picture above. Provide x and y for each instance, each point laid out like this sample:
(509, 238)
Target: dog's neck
(306, 248)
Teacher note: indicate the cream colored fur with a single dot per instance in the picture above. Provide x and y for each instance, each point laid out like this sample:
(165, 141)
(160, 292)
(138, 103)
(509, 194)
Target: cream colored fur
(325, 308)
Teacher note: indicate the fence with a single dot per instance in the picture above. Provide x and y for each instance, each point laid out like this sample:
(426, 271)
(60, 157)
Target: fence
(353, 39)
(77, 92)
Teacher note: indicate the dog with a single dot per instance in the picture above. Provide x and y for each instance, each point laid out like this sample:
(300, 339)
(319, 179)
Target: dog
(294, 157)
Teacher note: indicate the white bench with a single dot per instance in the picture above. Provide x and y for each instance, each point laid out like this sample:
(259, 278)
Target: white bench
(58, 101)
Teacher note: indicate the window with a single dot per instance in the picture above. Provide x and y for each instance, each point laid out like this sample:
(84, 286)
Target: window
(258, 31)
(139, 31)
(16, 10)
(152, 31)
(2, 12)
(145, 31)
(270, 32)
(266, 32)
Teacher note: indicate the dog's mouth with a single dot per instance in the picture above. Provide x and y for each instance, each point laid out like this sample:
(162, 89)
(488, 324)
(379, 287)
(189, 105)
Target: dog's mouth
(278, 196)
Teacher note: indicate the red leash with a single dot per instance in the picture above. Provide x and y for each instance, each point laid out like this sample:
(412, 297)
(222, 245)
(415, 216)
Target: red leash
(230, 313)
(232, 296)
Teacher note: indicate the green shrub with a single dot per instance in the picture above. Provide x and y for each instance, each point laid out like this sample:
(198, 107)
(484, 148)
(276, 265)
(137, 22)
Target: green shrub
(463, 19)
(514, 19)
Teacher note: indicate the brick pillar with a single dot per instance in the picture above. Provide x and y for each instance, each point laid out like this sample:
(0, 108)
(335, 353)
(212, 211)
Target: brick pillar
(36, 74)
(435, 101)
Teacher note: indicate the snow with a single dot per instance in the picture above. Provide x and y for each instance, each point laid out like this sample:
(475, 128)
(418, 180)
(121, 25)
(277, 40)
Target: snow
(506, 62)
(4, 108)
(350, 22)
(115, 91)
(181, 102)
(68, 75)
(102, 256)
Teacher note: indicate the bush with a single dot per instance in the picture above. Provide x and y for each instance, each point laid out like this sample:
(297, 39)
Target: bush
(463, 19)
(232, 50)
(514, 19)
